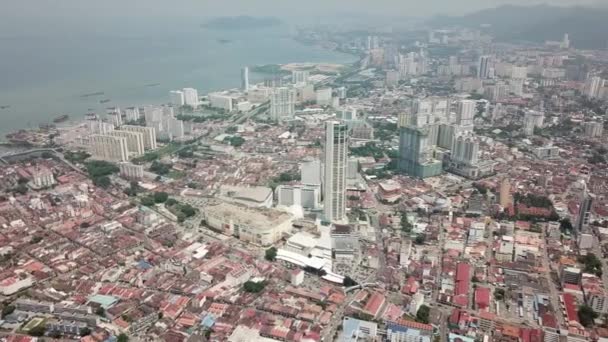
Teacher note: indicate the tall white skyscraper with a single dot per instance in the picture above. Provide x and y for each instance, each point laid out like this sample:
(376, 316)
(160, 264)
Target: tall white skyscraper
(135, 141)
(532, 120)
(191, 97)
(245, 79)
(115, 116)
(465, 149)
(324, 96)
(110, 148)
(584, 210)
(149, 135)
(336, 150)
(132, 114)
(299, 76)
(565, 42)
(466, 113)
(483, 68)
(593, 87)
(177, 98)
(311, 172)
(282, 104)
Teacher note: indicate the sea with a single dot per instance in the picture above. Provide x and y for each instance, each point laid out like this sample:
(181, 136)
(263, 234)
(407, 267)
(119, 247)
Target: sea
(43, 76)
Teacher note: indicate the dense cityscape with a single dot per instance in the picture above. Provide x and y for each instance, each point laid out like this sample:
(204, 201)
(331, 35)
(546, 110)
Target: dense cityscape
(445, 187)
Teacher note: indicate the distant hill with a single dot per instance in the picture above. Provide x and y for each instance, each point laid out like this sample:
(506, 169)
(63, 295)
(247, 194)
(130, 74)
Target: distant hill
(241, 23)
(587, 27)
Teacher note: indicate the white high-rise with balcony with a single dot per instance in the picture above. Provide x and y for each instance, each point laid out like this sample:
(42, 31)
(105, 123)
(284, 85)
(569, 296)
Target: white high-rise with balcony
(190, 97)
(110, 148)
(177, 98)
(466, 114)
(282, 104)
(336, 150)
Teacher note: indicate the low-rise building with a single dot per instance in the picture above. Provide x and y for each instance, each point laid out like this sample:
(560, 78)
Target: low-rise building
(261, 226)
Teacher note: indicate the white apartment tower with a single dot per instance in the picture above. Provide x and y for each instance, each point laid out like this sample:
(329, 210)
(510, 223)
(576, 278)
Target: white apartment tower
(190, 97)
(466, 113)
(135, 141)
(299, 76)
(245, 79)
(110, 148)
(132, 114)
(336, 150)
(593, 129)
(115, 116)
(131, 171)
(311, 172)
(465, 149)
(593, 87)
(282, 104)
(484, 66)
(149, 135)
(177, 98)
(532, 120)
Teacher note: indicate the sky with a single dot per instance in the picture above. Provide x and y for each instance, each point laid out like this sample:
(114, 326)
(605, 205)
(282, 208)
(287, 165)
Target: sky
(39, 16)
(95, 8)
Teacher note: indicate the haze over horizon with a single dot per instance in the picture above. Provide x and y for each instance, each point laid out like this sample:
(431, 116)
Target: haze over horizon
(92, 11)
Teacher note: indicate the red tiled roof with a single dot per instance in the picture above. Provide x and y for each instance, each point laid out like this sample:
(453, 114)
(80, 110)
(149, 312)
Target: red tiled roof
(570, 305)
(482, 297)
(374, 303)
(413, 325)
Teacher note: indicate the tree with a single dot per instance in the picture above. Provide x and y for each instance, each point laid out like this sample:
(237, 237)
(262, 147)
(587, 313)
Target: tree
(7, 310)
(348, 282)
(21, 189)
(102, 182)
(236, 141)
(170, 202)
(188, 210)
(85, 331)
(46, 155)
(271, 254)
(423, 314)
(160, 197)
(100, 168)
(147, 201)
(475, 279)
(254, 287)
(420, 238)
(160, 168)
(122, 338)
(38, 330)
(591, 264)
(565, 225)
(499, 294)
(587, 315)
(406, 226)
(55, 334)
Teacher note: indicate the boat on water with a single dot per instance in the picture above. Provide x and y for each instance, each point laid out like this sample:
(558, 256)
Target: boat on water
(99, 93)
(105, 101)
(61, 118)
(91, 116)
(5, 107)
(152, 85)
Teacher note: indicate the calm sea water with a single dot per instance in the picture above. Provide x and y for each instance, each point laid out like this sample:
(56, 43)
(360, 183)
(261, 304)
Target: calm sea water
(43, 76)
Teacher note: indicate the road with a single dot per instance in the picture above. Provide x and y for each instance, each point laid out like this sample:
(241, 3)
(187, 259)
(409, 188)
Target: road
(553, 293)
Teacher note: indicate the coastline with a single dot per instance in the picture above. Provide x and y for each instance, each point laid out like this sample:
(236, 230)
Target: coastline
(262, 70)
(208, 66)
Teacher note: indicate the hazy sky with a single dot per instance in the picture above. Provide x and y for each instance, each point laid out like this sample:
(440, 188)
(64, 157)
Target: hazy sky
(97, 8)
(53, 17)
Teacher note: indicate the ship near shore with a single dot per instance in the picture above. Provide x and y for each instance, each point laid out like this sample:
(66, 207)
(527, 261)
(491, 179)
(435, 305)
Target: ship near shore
(61, 118)
(99, 93)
